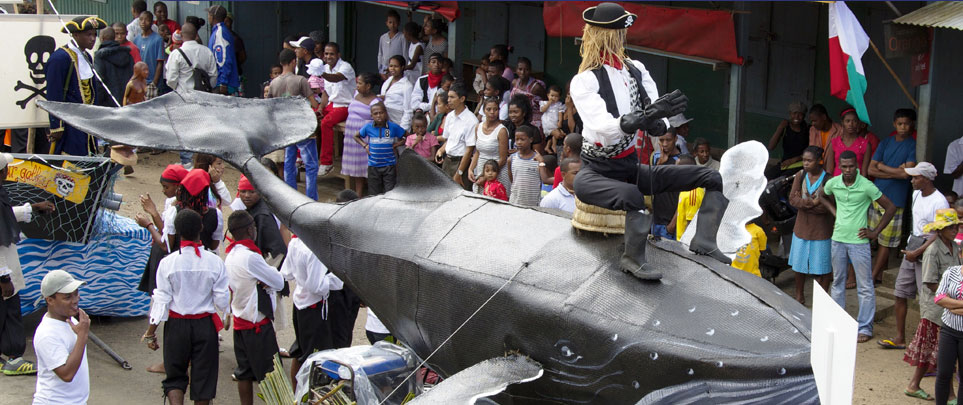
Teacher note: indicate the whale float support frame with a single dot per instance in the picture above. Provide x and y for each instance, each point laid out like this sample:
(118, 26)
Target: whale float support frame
(427, 254)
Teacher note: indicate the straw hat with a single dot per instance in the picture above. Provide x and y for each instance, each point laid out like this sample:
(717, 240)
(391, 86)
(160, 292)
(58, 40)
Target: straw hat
(123, 155)
(597, 219)
(944, 218)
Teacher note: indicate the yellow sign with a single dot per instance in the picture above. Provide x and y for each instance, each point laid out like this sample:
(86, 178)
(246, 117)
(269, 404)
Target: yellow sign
(70, 186)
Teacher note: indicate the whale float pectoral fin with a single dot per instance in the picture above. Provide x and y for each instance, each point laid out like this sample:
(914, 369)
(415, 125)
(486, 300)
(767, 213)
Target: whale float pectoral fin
(423, 180)
(232, 128)
(481, 380)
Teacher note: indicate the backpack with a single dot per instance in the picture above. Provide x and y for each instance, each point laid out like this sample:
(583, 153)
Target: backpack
(202, 80)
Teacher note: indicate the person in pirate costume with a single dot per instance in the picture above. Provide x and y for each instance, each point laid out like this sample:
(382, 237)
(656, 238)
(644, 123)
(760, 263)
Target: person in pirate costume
(612, 94)
(12, 339)
(71, 79)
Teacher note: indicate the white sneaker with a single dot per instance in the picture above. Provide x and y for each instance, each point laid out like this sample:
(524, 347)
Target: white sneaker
(323, 170)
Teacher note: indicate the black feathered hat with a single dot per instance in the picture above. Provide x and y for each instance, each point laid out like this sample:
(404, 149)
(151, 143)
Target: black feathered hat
(81, 24)
(608, 15)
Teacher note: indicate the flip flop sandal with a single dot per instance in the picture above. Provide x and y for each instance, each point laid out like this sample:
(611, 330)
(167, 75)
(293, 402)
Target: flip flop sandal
(919, 394)
(890, 345)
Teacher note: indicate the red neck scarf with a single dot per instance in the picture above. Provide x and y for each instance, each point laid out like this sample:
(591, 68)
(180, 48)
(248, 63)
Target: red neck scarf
(195, 245)
(246, 243)
(434, 79)
(611, 60)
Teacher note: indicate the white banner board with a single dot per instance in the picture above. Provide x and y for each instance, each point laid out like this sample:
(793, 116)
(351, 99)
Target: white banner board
(28, 42)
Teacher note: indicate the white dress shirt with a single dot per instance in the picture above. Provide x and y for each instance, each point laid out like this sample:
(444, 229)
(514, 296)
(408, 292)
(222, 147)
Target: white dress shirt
(180, 75)
(189, 285)
(600, 127)
(397, 99)
(954, 156)
(342, 92)
(459, 131)
(388, 47)
(418, 96)
(314, 282)
(244, 270)
(559, 198)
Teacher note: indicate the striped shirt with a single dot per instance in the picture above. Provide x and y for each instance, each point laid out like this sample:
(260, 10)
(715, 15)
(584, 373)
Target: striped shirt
(381, 151)
(526, 182)
(950, 286)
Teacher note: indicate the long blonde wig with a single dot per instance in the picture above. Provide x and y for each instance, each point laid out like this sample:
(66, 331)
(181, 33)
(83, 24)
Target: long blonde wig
(597, 41)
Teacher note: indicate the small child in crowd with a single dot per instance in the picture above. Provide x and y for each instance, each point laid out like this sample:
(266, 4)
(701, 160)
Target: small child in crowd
(951, 197)
(436, 127)
(563, 198)
(491, 187)
(379, 138)
(416, 50)
(523, 169)
(316, 82)
(253, 283)
(552, 110)
(136, 90)
(420, 140)
(747, 258)
(481, 75)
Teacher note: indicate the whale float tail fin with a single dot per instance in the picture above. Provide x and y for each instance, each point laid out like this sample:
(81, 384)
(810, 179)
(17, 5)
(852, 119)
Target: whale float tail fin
(232, 128)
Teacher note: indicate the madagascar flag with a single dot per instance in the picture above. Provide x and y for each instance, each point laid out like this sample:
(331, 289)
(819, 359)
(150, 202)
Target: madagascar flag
(847, 44)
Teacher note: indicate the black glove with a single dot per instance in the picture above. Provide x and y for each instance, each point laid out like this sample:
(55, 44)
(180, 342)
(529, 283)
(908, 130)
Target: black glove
(666, 106)
(656, 128)
(650, 118)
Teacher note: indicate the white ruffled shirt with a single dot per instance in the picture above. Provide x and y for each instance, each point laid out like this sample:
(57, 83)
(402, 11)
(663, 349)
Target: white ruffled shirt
(189, 285)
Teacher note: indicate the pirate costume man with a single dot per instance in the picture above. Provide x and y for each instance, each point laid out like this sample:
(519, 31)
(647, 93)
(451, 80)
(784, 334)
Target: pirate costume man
(71, 79)
(12, 338)
(191, 286)
(612, 94)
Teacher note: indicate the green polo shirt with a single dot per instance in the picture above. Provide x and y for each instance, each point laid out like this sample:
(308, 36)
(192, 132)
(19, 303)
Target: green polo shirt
(852, 204)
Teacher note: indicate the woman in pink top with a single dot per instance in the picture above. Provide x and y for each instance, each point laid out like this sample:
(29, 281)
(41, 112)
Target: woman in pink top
(849, 140)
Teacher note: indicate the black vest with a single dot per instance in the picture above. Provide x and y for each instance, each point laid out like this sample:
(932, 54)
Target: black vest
(605, 87)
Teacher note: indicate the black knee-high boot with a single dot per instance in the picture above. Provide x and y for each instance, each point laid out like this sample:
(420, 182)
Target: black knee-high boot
(637, 227)
(713, 207)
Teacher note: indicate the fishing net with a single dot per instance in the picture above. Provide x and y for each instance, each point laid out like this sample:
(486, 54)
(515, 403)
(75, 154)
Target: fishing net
(77, 186)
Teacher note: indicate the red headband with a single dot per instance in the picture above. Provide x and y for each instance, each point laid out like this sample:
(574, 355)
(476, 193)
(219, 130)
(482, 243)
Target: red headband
(244, 184)
(847, 111)
(174, 173)
(195, 181)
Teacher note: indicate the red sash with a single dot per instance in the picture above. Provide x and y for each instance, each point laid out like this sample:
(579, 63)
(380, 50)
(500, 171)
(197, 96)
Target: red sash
(241, 324)
(218, 325)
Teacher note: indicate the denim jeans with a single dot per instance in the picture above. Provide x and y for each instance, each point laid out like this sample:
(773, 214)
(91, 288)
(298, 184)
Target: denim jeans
(186, 158)
(661, 231)
(309, 155)
(859, 255)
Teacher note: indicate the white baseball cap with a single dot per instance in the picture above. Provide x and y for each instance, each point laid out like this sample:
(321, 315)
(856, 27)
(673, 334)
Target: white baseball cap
(59, 281)
(925, 169)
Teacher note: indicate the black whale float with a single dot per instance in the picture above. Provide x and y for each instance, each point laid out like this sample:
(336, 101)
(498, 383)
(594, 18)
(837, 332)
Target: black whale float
(426, 255)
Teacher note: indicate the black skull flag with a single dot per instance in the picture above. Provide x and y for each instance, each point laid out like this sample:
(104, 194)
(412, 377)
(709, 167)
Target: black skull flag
(28, 42)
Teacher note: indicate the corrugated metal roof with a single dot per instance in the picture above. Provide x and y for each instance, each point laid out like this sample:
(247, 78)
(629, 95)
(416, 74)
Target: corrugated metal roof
(942, 14)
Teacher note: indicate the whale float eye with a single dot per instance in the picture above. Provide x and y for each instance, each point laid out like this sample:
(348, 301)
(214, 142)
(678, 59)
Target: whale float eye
(616, 337)
(782, 371)
(654, 356)
(719, 364)
(691, 310)
(734, 313)
(656, 322)
(566, 351)
(711, 332)
(635, 384)
(690, 372)
(764, 339)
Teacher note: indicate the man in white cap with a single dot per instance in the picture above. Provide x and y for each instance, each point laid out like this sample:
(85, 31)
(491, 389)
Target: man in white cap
(616, 98)
(926, 201)
(12, 339)
(61, 343)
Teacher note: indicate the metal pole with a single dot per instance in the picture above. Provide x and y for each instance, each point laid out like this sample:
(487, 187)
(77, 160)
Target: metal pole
(110, 352)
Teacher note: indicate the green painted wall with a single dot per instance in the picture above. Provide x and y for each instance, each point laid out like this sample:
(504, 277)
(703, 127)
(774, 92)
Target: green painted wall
(108, 10)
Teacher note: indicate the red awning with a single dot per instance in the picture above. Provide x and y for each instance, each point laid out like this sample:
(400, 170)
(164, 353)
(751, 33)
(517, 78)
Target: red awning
(447, 9)
(688, 31)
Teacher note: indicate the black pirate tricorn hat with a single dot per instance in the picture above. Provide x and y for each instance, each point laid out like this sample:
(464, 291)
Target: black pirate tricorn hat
(81, 24)
(608, 15)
